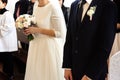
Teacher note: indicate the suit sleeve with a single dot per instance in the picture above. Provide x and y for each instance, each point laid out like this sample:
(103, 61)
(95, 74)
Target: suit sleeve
(67, 57)
(15, 10)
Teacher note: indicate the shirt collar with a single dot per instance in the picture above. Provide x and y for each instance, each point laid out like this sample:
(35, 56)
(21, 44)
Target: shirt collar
(2, 10)
(89, 1)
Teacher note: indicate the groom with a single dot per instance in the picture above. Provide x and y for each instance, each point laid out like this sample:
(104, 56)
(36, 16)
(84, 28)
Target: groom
(90, 35)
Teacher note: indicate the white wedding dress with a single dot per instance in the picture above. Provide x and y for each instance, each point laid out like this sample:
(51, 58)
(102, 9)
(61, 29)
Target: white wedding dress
(116, 45)
(44, 60)
(114, 60)
(114, 67)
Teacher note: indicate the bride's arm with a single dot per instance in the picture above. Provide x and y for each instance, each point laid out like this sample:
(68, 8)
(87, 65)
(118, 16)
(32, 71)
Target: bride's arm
(57, 25)
(32, 30)
(54, 32)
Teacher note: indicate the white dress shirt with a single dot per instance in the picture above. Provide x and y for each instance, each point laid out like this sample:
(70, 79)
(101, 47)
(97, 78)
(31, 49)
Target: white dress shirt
(85, 7)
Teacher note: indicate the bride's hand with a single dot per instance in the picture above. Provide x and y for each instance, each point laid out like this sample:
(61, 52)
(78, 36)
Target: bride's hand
(30, 30)
(26, 31)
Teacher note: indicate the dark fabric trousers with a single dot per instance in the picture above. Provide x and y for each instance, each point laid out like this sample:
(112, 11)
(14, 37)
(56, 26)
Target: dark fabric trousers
(103, 74)
(6, 59)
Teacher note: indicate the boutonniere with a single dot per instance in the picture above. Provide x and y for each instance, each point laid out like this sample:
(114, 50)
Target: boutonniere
(91, 11)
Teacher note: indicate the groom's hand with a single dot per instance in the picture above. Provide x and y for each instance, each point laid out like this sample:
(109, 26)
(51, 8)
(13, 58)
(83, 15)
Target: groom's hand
(68, 74)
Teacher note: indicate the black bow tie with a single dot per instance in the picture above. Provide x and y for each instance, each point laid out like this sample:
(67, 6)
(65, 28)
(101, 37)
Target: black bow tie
(81, 3)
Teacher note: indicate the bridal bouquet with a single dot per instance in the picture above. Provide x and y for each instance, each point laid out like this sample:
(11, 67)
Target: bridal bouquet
(24, 21)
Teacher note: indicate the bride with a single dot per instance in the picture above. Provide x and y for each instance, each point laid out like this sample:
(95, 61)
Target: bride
(46, 49)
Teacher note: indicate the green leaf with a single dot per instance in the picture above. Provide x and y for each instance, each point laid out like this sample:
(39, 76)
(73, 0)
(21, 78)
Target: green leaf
(30, 37)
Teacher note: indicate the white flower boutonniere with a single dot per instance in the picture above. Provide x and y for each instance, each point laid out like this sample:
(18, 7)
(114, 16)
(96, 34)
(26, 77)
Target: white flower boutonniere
(91, 11)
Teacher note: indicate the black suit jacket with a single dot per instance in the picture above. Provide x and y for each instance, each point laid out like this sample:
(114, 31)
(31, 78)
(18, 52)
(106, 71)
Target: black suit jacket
(118, 8)
(65, 13)
(88, 46)
(23, 7)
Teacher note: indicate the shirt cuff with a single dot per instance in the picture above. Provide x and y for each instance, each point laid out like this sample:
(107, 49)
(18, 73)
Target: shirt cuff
(67, 68)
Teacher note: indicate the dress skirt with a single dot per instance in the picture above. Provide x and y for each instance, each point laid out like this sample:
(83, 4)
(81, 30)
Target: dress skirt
(44, 60)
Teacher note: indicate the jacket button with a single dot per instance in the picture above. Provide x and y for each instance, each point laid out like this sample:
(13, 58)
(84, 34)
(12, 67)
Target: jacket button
(76, 51)
(76, 38)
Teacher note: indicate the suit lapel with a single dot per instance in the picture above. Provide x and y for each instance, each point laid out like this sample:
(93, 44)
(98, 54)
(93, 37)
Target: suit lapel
(93, 4)
(75, 14)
